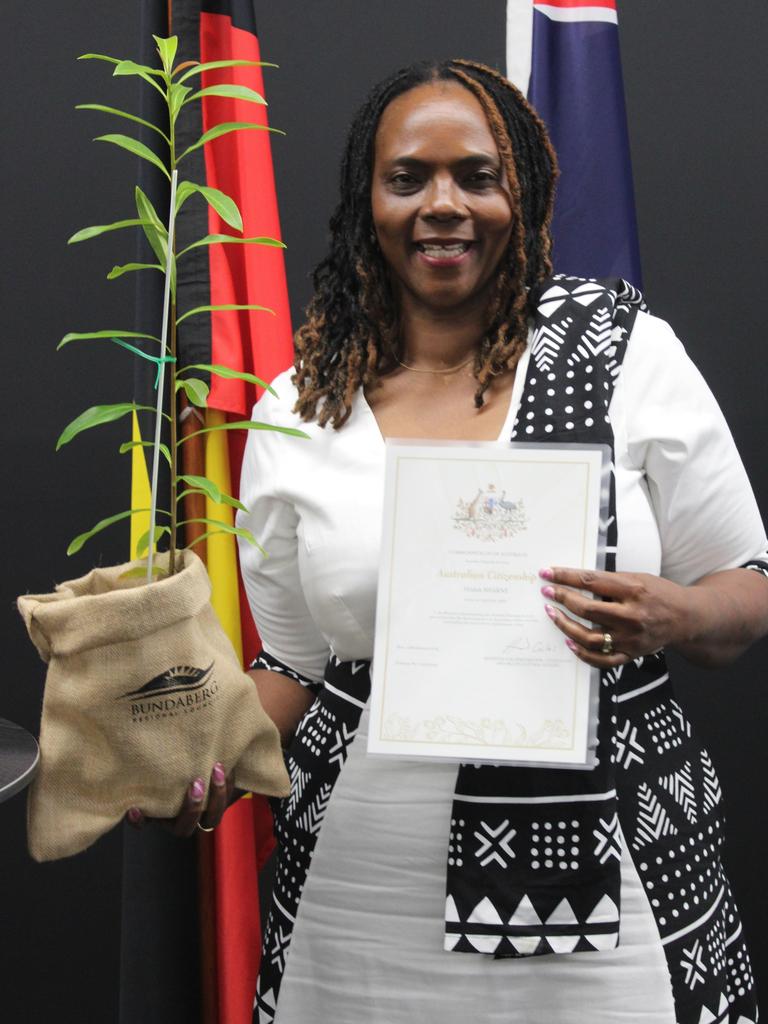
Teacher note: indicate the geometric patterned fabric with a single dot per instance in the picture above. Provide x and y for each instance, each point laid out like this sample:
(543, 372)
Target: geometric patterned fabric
(534, 854)
(535, 864)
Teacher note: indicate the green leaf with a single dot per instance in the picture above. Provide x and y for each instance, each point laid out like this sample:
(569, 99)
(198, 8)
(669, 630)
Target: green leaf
(235, 92)
(100, 56)
(146, 210)
(154, 228)
(128, 445)
(201, 483)
(213, 309)
(225, 499)
(156, 234)
(178, 93)
(184, 190)
(195, 390)
(213, 239)
(99, 229)
(135, 147)
(88, 335)
(78, 542)
(122, 113)
(225, 371)
(214, 64)
(223, 204)
(246, 425)
(221, 527)
(167, 50)
(127, 268)
(94, 417)
(130, 67)
(191, 491)
(142, 544)
(224, 129)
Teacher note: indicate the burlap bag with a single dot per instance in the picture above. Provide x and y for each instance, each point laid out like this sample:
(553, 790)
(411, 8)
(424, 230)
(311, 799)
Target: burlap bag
(143, 693)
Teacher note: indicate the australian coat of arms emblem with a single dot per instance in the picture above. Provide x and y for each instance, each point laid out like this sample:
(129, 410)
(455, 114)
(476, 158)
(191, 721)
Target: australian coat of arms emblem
(489, 515)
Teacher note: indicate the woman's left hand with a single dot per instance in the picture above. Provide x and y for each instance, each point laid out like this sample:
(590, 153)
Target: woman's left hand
(194, 813)
(632, 613)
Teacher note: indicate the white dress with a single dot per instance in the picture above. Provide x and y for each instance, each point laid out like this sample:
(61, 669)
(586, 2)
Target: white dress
(368, 936)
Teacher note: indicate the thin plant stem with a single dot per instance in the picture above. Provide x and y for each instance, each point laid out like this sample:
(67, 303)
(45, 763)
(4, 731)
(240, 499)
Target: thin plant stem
(173, 445)
(161, 379)
(172, 401)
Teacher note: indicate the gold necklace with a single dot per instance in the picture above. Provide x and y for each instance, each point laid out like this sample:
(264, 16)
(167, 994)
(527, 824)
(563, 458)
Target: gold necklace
(422, 369)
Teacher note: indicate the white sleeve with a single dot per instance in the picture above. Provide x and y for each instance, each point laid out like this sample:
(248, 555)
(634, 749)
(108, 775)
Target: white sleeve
(271, 579)
(706, 512)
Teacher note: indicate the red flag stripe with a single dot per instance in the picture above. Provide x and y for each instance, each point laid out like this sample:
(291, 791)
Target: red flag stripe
(576, 3)
(240, 164)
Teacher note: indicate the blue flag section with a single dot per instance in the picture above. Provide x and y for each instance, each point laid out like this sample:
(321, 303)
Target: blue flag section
(576, 85)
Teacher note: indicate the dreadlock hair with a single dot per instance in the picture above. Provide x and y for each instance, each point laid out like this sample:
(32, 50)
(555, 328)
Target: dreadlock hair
(351, 334)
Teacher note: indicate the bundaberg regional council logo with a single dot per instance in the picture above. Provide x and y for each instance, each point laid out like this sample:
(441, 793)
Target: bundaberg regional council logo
(489, 516)
(181, 690)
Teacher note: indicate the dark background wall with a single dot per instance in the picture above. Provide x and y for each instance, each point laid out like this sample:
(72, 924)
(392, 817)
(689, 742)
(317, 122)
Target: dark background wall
(696, 82)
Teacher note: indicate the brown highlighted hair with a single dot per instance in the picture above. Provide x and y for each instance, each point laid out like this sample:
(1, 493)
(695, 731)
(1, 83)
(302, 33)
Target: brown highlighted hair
(351, 336)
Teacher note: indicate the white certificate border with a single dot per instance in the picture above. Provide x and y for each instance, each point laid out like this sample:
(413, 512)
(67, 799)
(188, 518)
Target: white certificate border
(495, 754)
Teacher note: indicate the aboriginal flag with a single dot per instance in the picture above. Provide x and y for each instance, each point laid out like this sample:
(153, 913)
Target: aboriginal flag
(191, 929)
(576, 86)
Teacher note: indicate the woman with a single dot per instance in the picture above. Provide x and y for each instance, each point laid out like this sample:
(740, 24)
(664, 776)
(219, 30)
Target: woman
(429, 320)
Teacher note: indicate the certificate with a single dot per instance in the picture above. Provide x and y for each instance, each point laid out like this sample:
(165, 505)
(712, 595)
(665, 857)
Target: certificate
(467, 666)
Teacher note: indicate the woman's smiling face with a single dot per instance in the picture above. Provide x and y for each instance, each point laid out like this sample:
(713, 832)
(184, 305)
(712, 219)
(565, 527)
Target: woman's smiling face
(440, 201)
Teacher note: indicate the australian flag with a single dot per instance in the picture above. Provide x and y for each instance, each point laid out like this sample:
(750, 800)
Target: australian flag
(576, 86)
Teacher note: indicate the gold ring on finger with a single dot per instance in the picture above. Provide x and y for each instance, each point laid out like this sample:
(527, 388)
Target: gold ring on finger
(607, 647)
(204, 829)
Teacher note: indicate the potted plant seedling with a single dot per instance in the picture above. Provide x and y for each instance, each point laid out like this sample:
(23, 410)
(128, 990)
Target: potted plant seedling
(144, 690)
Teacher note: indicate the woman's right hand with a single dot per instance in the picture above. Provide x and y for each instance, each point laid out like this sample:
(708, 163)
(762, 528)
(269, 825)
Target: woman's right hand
(194, 813)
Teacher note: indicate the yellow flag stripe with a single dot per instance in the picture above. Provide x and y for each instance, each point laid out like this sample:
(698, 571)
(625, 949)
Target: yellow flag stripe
(222, 548)
(141, 491)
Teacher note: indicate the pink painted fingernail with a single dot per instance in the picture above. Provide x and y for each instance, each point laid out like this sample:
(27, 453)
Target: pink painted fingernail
(218, 774)
(546, 574)
(134, 815)
(197, 790)
(548, 591)
(571, 644)
(550, 611)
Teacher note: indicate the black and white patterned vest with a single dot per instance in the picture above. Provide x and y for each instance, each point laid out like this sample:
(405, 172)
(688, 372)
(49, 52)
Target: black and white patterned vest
(564, 895)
